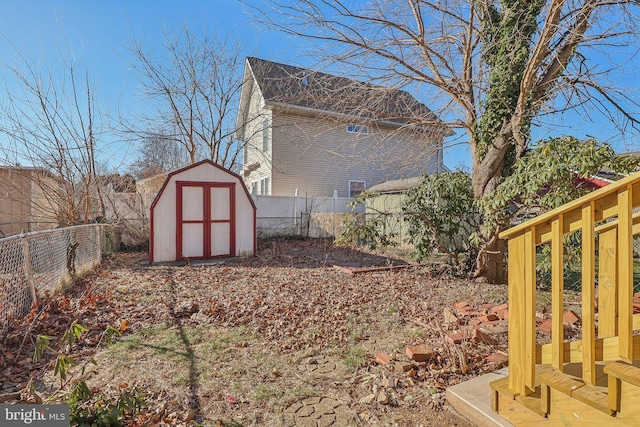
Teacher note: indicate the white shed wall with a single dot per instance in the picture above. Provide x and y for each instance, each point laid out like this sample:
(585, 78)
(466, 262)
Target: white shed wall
(164, 212)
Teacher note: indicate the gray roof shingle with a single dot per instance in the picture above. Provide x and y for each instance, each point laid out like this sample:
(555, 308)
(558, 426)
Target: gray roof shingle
(291, 86)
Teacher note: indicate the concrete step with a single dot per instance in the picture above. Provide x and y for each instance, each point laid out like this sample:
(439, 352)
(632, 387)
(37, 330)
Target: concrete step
(472, 399)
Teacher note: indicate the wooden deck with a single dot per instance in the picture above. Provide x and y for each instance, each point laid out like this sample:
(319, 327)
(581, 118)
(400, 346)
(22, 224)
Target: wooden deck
(597, 378)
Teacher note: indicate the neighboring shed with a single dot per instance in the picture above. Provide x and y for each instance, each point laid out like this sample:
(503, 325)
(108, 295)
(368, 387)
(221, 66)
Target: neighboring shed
(389, 198)
(202, 211)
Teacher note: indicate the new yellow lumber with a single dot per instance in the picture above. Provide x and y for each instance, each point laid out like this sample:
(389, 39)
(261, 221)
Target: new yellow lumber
(557, 293)
(530, 310)
(607, 284)
(588, 283)
(516, 314)
(625, 275)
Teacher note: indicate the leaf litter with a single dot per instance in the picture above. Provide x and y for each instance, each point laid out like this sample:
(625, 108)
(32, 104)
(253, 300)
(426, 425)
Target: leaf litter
(223, 343)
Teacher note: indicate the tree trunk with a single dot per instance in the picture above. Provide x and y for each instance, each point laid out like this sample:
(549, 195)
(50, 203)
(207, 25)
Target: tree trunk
(485, 178)
(490, 264)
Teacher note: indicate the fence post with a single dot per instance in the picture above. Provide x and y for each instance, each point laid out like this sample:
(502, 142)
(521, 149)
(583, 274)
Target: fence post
(99, 229)
(333, 217)
(28, 271)
(295, 209)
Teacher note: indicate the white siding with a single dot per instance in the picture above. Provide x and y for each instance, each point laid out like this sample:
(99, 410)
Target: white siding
(254, 130)
(318, 156)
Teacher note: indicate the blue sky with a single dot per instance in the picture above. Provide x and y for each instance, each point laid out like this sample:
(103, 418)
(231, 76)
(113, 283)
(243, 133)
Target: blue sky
(97, 31)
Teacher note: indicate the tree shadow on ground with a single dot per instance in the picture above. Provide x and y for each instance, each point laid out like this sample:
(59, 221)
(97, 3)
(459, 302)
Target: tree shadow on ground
(193, 381)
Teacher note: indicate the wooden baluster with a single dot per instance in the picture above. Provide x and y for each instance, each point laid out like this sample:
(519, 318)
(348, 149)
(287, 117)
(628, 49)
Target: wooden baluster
(517, 314)
(607, 283)
(530, 309)
(588, 295)
(625, 275)
(557, 294)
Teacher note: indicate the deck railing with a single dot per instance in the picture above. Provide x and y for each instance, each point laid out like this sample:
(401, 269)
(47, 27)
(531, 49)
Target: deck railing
(606, 221)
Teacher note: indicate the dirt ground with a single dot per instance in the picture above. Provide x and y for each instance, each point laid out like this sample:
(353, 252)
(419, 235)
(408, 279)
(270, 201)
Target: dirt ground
(279, 339)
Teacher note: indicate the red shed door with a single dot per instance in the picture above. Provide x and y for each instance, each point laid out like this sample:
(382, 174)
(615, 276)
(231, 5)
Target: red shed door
(205, 220)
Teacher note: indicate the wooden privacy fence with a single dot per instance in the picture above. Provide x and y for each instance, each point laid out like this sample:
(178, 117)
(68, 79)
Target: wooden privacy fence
(541, 376)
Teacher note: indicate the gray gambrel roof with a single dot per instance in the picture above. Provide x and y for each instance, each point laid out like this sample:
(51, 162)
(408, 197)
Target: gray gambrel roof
(288, 86)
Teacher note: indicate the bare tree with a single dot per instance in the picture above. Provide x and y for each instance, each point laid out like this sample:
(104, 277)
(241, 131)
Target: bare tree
(156, 155)
(499, 67)
(194, 83)
(50, 121)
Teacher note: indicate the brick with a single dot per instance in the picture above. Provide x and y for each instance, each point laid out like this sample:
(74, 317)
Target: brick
(474, 313)
(503, 314)
(411, 373)
(461, 305)
(491, 317)
(500, 307)
(475, 322)
(545, 327)
(403, 366)
(456, 338)
(485, 308)
(419, 353)
(636, 308)
(497, 358)
(383, 358)
(570, 317)
(465, 311)
(479, 336)
(636, 297)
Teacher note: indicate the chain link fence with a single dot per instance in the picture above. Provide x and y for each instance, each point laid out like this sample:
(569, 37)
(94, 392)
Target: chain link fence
(35, 264)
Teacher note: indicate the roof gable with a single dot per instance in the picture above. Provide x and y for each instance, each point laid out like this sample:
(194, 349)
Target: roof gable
(195, 165)
(289, 86)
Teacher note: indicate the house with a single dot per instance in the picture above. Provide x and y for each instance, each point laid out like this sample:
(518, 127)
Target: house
(27, 200)
(317, 134)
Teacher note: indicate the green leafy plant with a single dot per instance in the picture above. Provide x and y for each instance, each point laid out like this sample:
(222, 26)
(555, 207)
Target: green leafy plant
(553, 173)
(439, 214)
(86, 408)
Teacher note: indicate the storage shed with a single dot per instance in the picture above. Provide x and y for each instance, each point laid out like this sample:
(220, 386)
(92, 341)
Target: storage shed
(202, 211)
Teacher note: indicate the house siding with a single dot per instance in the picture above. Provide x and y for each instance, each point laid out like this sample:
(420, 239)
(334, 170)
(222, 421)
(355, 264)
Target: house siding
(318, 155)
(254, 136)
(314, 153)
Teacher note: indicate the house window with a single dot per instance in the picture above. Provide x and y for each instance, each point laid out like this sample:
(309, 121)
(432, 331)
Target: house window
(265, 134)
(264, 186)
(357, 129)
(355, 188)
(254, 187)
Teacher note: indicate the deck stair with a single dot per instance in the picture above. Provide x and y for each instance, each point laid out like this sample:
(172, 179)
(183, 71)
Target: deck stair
(595, 379)
(563, 398)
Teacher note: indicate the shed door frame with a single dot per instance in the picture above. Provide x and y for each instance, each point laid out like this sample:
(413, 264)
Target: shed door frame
(206, 217)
